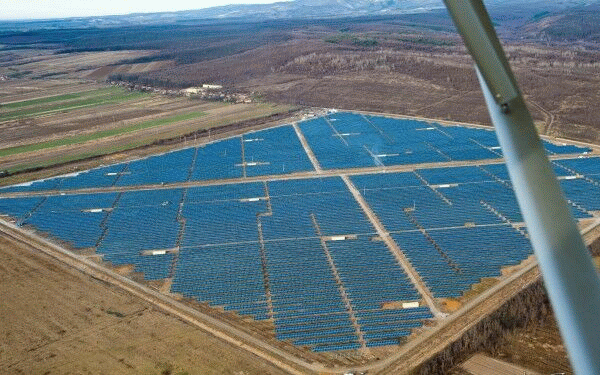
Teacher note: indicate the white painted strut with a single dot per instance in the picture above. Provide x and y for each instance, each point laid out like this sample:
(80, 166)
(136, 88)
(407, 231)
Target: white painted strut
(569, 274)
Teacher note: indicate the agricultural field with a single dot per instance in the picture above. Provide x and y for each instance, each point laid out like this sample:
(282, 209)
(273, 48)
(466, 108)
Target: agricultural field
(39, 64)
(43, 123)
(406, 64)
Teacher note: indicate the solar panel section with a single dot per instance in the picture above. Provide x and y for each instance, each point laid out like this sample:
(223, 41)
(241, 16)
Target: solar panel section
(161, 169)
(221, 222)
(223, 275)
(18, 208)
(449, 234)
(376, 284)
(94, 178)
(75, 219)
(457, 175)
(451, 260)
(41, 185)
(142, 221)
(301, 251)
(557, 149)
(589, 167)
(302, 285)
(218, 160)
(273, 152)
(584, 194)
(293, 202)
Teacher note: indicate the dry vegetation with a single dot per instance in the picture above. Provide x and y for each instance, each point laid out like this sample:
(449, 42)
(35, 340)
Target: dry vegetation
(538, 347)
(41, 64)
(411, 71)
(408, 65)
(72, 324)
(560, 87)
(495, 333)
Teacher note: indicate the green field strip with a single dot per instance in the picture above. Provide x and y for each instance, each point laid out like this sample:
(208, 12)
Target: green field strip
(74, 157)
(109, 98)
(101, 134)
(144, 138)
(58, 98)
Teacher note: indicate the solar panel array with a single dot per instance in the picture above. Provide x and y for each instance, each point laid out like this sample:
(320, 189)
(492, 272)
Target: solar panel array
(302, 252)
(266, 152)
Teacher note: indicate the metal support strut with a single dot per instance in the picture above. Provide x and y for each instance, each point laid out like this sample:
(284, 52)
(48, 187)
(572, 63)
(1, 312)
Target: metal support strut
(569, 274)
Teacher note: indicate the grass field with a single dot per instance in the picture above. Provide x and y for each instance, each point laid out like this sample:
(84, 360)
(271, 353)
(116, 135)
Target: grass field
(36, 107)
(81, 123)
(101, 134)
(58, 98)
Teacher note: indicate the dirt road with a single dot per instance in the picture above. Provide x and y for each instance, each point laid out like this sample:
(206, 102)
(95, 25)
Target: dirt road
(59, 320)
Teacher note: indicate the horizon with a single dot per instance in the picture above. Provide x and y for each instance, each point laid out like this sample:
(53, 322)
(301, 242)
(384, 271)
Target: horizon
(40, 10)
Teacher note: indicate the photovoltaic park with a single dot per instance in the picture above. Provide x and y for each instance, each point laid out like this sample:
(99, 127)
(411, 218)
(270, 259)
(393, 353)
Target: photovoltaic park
(344, 231)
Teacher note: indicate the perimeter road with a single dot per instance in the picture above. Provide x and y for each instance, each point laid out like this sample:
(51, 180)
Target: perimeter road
(391, 244)
(307, 149)
(408, 357)
(222, 330)
(291, 176)
(429, 343)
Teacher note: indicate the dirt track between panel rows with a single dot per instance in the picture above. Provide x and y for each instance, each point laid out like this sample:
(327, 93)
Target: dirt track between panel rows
(291, 176)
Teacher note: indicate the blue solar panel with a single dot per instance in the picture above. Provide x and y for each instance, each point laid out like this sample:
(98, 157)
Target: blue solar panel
(168, 168)
(274, 151)
(254, 247)
(458, 175)
(554, 148)
(228, 275)
(588, 166)
(94, 178)
(218, 160)
(584, 195)
(49, 184)
(19, 207)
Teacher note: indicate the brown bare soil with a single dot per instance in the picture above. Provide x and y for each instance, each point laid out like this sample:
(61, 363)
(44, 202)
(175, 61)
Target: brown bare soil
(25, 89)
(407, 70)
(439, 85)
(60, 124)
(480, 364)
(72, 65)
(56, 321)
(102, 73)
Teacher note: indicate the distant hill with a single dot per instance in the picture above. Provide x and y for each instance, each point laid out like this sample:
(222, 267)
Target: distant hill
(567, 19)
(355, 8)
(573, 24)
(294, 9)
(321, 8)
(510, 16)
